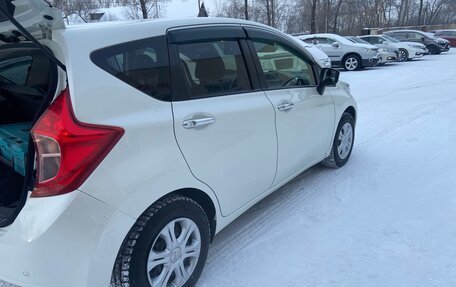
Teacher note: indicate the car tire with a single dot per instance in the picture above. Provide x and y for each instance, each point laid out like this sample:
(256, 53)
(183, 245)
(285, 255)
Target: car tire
(434, 50)
(403, 55)
(168, 245)
(342, 144)
(352, 63)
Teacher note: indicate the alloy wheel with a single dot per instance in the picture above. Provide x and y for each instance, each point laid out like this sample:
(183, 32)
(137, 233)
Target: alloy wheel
(351, 64)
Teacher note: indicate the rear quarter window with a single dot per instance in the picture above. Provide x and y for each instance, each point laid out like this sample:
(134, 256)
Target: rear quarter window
(143, 64)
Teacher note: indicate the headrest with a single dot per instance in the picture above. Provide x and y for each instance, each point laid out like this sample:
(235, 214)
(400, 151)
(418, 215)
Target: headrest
(142, 62)
(210, 69)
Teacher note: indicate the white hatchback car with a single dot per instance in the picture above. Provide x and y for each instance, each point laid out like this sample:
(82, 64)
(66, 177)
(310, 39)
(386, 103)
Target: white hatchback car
(144, 139)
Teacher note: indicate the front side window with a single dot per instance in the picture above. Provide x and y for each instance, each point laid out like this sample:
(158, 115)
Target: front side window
(214, 68)
(283, 67)
(142, 64)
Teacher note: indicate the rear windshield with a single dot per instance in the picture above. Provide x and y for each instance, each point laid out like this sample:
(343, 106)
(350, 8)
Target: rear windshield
(142, 64)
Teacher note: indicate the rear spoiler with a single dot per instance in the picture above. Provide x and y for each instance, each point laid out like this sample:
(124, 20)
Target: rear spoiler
(7, 13)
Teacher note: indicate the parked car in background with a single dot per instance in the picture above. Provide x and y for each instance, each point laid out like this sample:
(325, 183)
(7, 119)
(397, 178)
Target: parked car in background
(342, 52)
(449, 35)
(173, 130)
(320, 57)
(386, 53)
(407, 50)
(433, 44)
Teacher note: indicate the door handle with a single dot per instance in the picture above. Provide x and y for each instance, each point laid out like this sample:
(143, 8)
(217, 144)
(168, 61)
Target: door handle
(200, 122)
(285, 107)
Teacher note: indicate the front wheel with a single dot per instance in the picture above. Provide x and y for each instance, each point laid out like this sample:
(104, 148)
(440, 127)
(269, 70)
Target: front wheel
(167, 246)
(434, 50)
(343, 143)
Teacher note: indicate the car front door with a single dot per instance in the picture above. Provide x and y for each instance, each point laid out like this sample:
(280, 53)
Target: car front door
(325, 44)
(304, 118)
(224, 123)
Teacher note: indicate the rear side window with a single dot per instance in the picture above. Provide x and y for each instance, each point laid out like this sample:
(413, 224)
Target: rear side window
(214, 68)
(322, 40)
(414, 36)
(372, 40)
(16, 70)
(143, 64)
(400, 36)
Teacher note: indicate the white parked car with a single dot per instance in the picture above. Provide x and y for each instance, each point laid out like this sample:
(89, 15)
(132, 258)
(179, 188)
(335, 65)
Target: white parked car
(407, 50)
(149, 137)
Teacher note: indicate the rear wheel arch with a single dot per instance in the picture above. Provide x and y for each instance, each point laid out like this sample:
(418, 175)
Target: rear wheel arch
(202, 199)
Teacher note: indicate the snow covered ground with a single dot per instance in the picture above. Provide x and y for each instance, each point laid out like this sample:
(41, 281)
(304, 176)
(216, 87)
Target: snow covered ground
(388, 218)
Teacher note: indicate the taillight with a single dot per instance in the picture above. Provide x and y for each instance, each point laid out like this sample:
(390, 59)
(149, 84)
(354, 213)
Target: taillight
(68, 151)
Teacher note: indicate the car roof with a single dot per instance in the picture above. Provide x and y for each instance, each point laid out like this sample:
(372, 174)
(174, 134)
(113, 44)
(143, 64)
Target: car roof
(394, 31)
(160, 23)
(317, 35)
(93, 36)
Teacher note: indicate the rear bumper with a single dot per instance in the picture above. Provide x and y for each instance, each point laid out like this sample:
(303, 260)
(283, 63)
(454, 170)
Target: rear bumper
(68, 240)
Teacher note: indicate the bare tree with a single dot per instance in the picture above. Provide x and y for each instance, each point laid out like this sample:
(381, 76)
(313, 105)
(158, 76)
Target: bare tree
(341, 16)
(313, 25)
(79, 8)
(143, 8)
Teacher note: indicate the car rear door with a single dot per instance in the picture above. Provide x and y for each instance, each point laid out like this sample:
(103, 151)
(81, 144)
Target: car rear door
(304, 118)
(224, 123)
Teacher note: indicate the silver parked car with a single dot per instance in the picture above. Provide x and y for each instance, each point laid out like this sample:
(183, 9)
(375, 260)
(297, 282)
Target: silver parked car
(342, 52)
(386, 53)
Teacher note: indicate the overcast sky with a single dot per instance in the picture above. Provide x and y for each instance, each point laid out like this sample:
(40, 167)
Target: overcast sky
(186, 8)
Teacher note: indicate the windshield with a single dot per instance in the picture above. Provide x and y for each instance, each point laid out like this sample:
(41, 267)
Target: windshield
(341, 39)
(357, 40)
(391, 39)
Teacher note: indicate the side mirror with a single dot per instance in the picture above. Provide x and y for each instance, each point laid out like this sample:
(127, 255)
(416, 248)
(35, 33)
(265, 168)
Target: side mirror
(328, 77)
(422, 39)
(335, 44)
